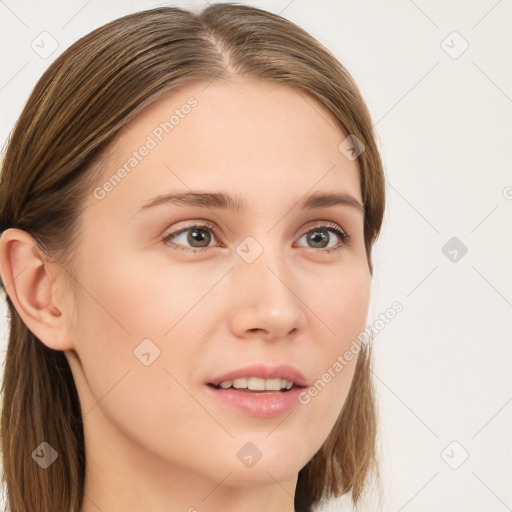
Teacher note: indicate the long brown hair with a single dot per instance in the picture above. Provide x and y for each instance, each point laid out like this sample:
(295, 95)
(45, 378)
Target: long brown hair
(76, 109)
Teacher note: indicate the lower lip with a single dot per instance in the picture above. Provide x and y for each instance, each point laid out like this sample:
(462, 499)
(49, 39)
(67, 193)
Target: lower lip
(260, 405)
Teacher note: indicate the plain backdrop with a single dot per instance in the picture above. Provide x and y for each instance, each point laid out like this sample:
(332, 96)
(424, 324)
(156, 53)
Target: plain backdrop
(439, 87)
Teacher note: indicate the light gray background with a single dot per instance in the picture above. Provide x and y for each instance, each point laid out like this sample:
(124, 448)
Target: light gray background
(442, 366)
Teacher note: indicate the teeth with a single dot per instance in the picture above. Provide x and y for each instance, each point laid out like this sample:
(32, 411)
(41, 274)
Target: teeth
(271, 384)
(257, 384)
(240, 383)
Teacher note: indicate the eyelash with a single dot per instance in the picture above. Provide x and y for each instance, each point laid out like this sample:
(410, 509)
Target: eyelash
(207, 226)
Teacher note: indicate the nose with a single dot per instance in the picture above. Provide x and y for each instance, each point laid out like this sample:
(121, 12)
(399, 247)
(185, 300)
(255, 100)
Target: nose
(266, 298)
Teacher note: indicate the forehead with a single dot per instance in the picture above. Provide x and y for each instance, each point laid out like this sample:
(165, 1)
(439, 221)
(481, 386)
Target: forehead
(250, 138)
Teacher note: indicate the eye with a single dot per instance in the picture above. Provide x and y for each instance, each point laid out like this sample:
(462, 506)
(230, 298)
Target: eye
(200, 235)
(318, 236)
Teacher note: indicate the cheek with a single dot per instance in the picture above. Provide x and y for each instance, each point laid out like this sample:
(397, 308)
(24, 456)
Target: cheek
(343, 311)
(137, 300)
(129, 315)
(342, 305)
(121, 307)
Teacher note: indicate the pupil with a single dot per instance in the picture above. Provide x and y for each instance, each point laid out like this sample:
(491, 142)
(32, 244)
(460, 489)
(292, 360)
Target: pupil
(198, 235)
(321, 235)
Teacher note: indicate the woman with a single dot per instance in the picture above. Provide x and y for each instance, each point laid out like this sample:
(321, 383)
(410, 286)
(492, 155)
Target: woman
(188, 204)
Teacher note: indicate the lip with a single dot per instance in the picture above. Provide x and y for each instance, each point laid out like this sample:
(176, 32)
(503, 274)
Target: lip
(283, 371)
(261, 404)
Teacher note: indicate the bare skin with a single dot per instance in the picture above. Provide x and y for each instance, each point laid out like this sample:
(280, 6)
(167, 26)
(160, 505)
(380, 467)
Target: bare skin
(155, 439)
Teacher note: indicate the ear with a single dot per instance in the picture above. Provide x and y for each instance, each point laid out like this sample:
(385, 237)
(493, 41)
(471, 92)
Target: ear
(28, 282)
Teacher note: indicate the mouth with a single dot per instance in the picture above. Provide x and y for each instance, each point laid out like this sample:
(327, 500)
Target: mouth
(256, 397)
(257, 385)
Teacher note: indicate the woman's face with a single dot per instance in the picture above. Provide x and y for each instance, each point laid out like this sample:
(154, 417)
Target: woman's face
(161, 318)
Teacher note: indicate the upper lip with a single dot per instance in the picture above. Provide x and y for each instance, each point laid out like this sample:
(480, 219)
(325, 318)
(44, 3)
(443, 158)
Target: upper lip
(283, 371)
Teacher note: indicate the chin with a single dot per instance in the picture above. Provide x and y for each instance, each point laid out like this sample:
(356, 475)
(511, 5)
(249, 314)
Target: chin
(262, 476)
(267, 470)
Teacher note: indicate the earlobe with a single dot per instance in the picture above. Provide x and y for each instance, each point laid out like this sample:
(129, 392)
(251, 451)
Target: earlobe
(28, 282)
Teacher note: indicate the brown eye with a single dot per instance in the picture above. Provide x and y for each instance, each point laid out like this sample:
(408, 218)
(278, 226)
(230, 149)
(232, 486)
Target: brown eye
(197, 237)
(319, 237)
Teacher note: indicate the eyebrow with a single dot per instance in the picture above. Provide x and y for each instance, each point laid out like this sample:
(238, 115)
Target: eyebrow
(221, 200)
